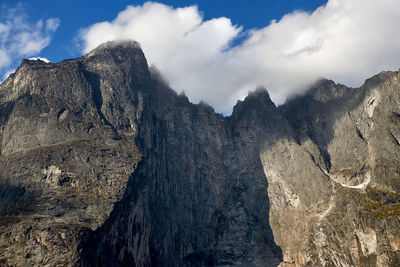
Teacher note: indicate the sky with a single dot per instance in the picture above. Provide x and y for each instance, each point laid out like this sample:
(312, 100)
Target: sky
(216, 51)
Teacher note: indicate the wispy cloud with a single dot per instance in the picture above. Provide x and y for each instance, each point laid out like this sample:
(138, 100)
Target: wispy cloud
(345, 40)
(21, 38)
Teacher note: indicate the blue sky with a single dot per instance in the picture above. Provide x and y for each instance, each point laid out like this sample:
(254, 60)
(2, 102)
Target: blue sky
(216, 51)
(77, 14)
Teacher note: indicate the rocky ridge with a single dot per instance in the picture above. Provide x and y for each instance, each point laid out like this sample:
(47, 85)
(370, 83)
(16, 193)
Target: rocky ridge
(103, 164)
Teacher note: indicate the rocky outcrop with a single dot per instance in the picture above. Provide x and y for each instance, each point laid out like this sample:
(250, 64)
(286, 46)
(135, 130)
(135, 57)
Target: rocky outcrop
(334, 184)
(102, 164)
(66, 152)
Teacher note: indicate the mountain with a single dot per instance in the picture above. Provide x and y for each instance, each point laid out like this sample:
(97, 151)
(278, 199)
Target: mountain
(102, 164)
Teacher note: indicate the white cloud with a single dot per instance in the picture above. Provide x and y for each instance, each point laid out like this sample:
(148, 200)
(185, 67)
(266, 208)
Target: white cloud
(345, 40)
(20, 38)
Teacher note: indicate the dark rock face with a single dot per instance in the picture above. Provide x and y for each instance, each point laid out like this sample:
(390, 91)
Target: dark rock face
(198, 197)
(102, 164)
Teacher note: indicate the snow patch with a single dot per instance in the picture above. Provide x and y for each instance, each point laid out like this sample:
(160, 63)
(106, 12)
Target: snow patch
(40, 58)
(362, 186)
(359, 186)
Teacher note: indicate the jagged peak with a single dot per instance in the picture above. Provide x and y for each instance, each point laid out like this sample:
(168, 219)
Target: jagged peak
(123, 54)
(259, 92)
(258, 99)
(381, 77)
(115, 45)
(323, 90)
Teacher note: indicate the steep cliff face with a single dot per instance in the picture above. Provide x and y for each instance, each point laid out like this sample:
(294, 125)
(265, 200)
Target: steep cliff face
(102, 164)
(198, 197)
(334, 185)
(67, 151)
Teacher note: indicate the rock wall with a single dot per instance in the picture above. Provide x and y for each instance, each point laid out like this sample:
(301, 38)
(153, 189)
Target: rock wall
(102, 164)
(65, 159)
(333, 185)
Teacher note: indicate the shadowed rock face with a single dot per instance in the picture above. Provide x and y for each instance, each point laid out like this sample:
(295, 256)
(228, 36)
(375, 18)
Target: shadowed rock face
(197, 198)
(102, 164)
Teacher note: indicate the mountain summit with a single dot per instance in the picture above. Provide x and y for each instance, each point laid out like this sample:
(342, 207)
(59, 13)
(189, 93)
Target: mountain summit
(102, 164)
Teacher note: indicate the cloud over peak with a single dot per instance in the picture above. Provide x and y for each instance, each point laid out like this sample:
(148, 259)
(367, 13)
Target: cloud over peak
(344, 40)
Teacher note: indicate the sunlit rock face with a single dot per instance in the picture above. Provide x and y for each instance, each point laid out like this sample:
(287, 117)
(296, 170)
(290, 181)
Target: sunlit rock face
(334, 185)
(102, 164)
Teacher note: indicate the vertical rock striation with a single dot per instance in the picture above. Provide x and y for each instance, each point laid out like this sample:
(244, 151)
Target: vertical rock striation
(198, 197)
(333, 185)
(102, 164)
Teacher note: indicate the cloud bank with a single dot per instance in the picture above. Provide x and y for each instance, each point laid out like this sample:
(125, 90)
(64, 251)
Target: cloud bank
(20, 38)
(344, 40)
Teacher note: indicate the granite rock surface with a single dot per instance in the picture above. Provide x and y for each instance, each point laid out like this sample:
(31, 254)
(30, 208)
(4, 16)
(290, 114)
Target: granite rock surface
(102, 164)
